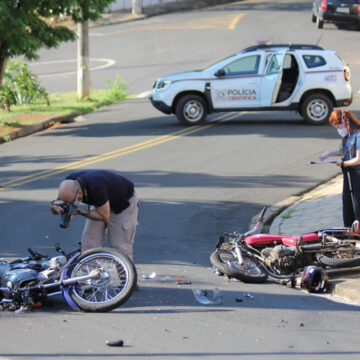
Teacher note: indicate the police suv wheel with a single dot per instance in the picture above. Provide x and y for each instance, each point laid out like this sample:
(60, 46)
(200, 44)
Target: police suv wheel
(191, 110)
(316, 109)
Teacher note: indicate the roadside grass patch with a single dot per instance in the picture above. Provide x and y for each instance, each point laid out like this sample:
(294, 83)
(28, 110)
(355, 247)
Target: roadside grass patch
(288, 214)
(61, 104)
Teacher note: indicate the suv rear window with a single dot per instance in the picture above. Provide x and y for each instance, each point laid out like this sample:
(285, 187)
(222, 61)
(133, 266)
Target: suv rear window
(313, 61)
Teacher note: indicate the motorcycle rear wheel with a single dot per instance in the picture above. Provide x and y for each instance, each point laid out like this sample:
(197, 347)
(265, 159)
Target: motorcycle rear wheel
(334, 262)
(250, 271)
(114, 286)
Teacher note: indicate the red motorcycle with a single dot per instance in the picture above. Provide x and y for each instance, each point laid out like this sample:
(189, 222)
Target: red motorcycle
(253, 258)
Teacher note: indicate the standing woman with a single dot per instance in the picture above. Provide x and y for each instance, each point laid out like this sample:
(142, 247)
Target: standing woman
(348, 127)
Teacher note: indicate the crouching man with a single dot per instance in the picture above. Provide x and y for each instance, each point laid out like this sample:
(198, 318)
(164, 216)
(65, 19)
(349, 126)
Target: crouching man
(112, 206)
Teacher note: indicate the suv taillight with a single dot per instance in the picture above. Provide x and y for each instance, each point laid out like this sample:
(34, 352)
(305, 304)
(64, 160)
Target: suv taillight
(323, 6)
(347, 74)
(358, 9)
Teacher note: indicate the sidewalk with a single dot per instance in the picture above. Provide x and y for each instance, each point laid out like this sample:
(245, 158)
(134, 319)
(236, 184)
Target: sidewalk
(317, 209)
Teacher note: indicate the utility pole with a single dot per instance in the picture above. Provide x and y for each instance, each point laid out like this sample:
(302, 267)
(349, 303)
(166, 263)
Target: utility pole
(83, 71)
(136, 7)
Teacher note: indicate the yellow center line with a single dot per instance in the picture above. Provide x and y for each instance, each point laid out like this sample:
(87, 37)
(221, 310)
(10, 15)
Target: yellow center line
(234, 21)
(102, 157)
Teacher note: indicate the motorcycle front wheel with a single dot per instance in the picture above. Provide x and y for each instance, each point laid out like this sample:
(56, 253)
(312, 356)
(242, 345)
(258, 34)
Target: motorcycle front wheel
(115, 282)
(250, 271)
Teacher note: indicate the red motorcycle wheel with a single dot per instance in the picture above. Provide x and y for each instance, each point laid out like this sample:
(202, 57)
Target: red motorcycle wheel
(250, 271)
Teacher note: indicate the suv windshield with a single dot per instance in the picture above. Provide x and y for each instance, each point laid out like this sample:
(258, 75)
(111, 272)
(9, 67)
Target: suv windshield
(218, 62)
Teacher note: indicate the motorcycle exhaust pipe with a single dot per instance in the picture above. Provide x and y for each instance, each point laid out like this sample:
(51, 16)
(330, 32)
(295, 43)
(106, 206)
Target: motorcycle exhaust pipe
(238, 254)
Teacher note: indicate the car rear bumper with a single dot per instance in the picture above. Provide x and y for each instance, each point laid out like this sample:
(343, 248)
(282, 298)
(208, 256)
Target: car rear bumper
(160, 105)
(340, 18)
(344, 102)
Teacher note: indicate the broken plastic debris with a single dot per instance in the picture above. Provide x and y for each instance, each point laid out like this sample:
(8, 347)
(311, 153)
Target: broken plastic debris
(249, 296)
(149, 276)
(183, 282)
(114, 343)
(20, 310)
(202, 296)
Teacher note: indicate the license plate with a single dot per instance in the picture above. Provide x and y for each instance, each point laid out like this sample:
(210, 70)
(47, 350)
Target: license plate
(343, 10)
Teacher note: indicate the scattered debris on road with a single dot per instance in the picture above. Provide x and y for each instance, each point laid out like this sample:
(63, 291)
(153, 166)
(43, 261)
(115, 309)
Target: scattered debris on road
(149, 276)
(202, 296)
(114, 343)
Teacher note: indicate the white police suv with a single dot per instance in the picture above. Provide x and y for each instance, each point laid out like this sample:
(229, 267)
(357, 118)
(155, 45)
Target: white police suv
(305, 78)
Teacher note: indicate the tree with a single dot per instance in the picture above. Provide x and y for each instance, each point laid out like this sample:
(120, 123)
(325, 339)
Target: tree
(136, 7)
(25, 25)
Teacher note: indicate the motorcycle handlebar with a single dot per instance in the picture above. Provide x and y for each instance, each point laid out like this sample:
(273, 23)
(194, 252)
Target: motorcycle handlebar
(260, 219)
(258, 223)
(35, 255)
(262, 214)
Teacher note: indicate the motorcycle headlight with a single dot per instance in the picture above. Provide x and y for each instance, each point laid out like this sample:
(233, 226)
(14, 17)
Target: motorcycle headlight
(161, 85)
(9, 284)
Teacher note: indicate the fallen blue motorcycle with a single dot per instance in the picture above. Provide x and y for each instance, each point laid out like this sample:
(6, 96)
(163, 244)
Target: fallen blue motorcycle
(97, 280)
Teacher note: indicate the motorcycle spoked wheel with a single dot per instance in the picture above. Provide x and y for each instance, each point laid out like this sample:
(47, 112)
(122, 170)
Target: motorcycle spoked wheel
(250, 271)
(115, 285)
(335, 262)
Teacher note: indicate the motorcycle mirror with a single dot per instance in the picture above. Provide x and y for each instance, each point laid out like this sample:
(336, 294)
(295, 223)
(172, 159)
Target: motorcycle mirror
(59, 249)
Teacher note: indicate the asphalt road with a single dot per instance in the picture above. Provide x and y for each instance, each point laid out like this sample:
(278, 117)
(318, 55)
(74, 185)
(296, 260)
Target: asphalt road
(193, 184)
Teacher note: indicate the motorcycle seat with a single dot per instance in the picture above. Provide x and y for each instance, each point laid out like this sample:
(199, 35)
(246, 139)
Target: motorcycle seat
(271, 239)
(306, 238)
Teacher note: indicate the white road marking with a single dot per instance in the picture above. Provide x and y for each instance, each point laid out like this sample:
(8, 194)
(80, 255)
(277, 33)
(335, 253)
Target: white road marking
(144, 94)
(107, 63)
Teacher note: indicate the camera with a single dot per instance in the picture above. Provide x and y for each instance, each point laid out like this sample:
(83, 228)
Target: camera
(69, 211)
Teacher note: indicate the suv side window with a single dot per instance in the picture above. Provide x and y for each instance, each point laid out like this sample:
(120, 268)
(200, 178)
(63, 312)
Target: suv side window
(313, 61)
(245, 66)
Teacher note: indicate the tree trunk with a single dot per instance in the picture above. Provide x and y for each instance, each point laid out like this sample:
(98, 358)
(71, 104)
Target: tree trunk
(83, 71)
(136, 7)
(2, 69)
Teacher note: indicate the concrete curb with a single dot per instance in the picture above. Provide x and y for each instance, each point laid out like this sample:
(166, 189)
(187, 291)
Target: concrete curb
(346, 288)
(43, 125)
(275, 210)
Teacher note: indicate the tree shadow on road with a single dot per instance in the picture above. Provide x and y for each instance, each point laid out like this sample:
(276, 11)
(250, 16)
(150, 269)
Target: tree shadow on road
(266, 125)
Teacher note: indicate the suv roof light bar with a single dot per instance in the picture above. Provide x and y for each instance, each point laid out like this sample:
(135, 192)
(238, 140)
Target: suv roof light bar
(290, 47)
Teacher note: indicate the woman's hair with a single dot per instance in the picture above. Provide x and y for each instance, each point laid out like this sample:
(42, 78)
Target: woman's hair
(349, 119)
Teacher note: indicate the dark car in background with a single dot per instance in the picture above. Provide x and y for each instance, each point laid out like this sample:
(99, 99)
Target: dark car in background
(339, 12)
